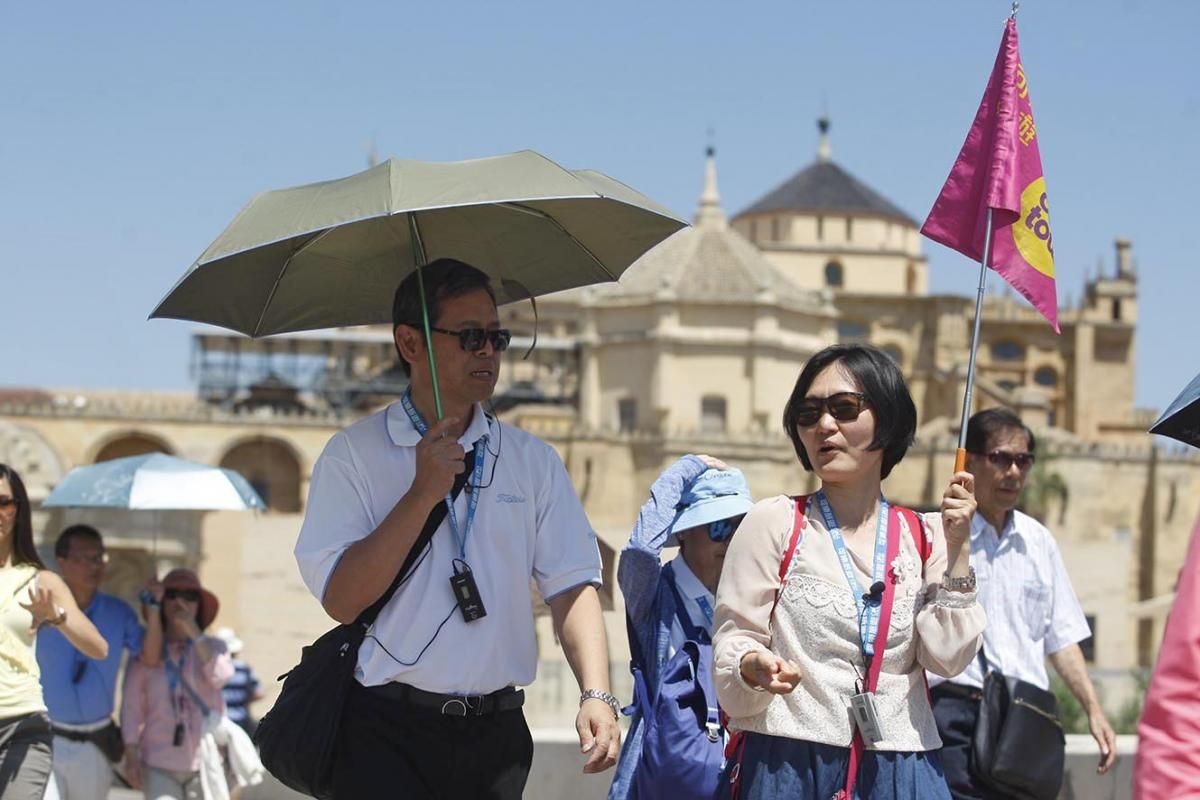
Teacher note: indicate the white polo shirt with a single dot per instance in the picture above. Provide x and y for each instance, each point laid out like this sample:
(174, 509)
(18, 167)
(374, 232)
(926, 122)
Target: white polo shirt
(1024, 588)
(529, 523)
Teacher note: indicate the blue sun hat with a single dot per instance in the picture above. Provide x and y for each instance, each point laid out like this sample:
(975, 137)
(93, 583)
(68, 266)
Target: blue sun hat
(717, 494)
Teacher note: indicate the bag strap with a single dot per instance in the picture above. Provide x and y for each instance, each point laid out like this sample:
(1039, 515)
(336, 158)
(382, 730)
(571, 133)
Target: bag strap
(436, 515)
(798, 526)
(857, 745)
(690, 629)
(916, 527)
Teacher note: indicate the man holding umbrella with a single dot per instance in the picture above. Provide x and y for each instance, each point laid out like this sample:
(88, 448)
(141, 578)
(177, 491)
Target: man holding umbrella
(436, 708)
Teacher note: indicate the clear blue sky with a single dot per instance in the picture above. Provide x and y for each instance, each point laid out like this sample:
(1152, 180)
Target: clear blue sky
(131, 133)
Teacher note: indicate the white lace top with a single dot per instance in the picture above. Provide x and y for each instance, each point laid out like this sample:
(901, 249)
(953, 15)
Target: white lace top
(816, 626)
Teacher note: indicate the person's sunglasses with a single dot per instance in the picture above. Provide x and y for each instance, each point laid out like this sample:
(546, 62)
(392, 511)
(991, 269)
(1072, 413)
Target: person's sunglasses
(472, 339)
(5, 502)
(842, 406)
(189, 595)
(1004, 460)
(722, 530)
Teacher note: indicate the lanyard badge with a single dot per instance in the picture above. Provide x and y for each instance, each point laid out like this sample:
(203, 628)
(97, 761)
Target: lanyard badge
(462, 582)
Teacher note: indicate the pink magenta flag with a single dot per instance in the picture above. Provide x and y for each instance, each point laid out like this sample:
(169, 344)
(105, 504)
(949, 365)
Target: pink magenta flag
(1168, 754)
(1000, 167)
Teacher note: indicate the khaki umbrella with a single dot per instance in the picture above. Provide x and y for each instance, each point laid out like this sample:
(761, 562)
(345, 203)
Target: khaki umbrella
(331, 254)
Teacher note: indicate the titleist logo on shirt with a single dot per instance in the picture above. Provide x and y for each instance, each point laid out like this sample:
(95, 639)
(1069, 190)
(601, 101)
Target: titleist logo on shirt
(509, 498)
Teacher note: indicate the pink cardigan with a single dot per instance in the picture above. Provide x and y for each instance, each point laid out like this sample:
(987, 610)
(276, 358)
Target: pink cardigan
(148, 717)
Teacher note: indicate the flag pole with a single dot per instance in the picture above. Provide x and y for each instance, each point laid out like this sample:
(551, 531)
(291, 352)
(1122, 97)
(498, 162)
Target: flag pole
(960, 457)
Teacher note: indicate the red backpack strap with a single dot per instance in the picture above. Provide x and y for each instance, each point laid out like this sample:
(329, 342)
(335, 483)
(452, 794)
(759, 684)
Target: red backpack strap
(797, 531)
(857, 745)
(916, 527)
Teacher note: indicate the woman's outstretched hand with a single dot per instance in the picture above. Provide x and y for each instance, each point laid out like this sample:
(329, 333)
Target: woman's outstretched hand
(769, 672)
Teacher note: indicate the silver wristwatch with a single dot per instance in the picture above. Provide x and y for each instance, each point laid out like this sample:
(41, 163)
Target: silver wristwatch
(964, 584)
(600, 694)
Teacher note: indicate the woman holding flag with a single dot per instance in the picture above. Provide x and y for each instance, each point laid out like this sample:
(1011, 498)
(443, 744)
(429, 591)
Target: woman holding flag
(831, 606)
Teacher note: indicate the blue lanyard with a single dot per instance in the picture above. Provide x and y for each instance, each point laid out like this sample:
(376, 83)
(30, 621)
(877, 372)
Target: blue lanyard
(175, 672)
(868, 617)
(460, 535)
(705, 608)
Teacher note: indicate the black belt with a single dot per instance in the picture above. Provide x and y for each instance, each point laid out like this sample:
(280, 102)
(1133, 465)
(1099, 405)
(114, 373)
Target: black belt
(957, 690)
(454, 705)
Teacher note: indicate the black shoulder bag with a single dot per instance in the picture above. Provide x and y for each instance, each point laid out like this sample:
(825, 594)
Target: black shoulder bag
(1018, 747)
(298, 737)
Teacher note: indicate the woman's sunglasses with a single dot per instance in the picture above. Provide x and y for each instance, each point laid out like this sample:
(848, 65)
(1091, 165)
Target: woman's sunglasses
(472, 339)
(189, 595)
(5, 502)
(1004, 460)
(842, 406)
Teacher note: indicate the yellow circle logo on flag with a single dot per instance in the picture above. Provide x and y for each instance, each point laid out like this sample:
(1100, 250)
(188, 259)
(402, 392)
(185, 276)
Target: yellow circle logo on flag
(1032, 231)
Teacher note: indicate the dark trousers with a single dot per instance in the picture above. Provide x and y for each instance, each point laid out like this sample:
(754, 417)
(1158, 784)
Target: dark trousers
(956, 715)
(393, 749)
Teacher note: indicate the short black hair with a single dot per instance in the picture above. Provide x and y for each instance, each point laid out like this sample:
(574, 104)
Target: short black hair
(887, 395)
(987, 423)
(24, 551)
(444, 278)
(62, 546)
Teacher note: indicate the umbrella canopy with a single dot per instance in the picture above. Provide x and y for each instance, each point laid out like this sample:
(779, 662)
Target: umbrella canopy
(1182, 419)
(331, 254)
(154, 482)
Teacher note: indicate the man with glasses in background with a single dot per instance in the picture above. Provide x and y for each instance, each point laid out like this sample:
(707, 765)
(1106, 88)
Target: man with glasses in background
(79, 691)
(1032, 611)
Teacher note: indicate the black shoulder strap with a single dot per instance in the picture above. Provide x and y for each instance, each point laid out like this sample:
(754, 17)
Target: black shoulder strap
(436, 515)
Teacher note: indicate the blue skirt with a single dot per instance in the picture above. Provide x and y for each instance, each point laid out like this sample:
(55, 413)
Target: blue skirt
(778, 767)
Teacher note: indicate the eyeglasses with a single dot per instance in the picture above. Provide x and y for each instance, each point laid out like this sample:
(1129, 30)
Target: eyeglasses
(5, 502)
(472, 339)
(722, 530)
(1002, 459)
(189, 595)
(95, 559)
(842, 406)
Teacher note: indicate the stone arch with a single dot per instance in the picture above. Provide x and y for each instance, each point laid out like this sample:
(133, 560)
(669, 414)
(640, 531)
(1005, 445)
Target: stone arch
(30, 454)
(273, 467)
(125, 443)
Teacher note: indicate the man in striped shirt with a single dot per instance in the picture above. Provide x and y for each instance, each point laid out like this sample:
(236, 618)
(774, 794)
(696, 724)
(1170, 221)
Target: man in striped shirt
(243, 688)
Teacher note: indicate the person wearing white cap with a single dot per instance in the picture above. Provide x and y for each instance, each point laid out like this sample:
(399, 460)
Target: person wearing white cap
(695, 504)
(243, 688)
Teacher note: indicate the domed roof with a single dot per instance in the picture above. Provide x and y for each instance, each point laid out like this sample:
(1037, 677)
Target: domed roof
(823, 186)
(708, 261)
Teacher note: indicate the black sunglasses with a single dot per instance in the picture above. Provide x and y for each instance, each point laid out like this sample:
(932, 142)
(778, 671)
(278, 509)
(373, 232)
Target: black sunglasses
(182, 594)
(842, 406)
(5, 502)
(472, 339)
(722, 530)
(1004, 460)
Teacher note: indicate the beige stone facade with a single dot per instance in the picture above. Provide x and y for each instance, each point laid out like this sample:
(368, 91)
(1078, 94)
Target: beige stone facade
(695, 350)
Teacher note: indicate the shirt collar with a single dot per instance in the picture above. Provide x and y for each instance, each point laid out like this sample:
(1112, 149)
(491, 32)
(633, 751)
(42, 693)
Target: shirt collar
(402, 433)
(980, 525)
(687, 582)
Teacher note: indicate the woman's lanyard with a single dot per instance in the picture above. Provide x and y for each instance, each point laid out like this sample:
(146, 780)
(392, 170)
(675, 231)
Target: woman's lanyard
(174, 676)
(460, 535)
(868, 615)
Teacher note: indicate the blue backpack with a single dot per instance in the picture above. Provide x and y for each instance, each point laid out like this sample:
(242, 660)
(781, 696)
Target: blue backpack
(683, 749)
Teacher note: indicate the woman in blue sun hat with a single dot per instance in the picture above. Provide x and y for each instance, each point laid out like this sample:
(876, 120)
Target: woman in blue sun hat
(695, 505)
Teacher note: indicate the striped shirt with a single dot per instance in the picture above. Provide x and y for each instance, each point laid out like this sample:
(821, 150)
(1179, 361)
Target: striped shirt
(240, 691)
(1032, 610)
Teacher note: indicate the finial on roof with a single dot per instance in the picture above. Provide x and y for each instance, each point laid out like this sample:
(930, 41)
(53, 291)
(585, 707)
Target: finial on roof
(824, 151)
(709, 212)
(372, 154)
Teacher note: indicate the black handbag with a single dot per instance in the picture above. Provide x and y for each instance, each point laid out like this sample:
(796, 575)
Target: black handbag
(1018, 748)
(297, 739)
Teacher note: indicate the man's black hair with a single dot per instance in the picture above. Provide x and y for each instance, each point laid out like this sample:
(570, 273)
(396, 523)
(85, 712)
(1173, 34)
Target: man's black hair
(444, 279)
(62, 545)
(991, 421)
(887, 396)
